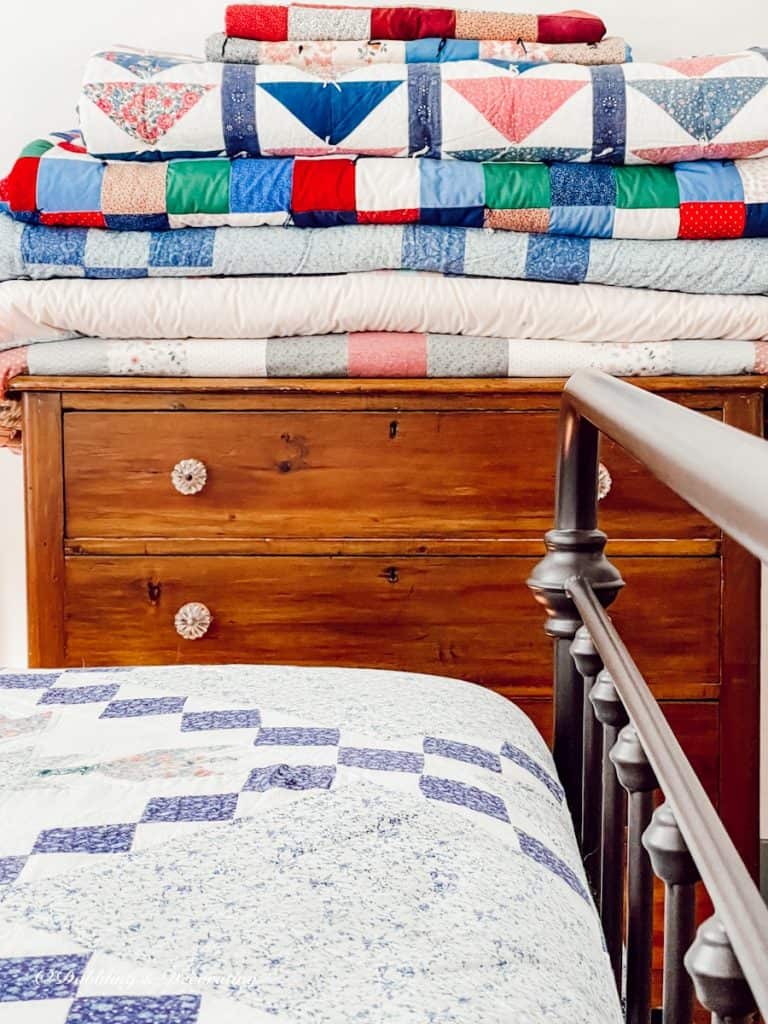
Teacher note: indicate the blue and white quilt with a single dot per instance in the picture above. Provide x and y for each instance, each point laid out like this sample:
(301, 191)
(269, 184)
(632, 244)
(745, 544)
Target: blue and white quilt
(237, 844)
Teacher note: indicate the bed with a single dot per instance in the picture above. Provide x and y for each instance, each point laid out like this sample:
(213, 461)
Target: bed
(286, 844)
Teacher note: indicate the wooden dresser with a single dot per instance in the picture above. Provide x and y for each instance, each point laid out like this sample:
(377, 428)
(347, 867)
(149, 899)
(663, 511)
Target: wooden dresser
(376, 523)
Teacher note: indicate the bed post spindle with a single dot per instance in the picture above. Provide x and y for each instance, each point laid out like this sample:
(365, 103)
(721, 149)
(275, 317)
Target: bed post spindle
(672, 862)
(720, 984)
(637, 777)
(575, 547)
(610, 713)
(589, 664)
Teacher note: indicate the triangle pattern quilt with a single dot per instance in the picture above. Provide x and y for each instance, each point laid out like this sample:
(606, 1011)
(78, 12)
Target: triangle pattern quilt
(145, 111)
(702, 107)
(515, 107)
(143, 65)
(330, 111)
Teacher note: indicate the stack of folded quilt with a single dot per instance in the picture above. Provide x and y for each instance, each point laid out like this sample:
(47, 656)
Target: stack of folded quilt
(394, 192)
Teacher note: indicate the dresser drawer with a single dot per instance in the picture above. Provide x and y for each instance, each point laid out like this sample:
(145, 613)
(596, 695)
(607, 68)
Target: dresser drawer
(467, 617)
(338, 475)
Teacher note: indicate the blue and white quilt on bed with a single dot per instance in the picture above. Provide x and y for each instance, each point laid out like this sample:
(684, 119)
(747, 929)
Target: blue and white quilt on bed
(237, 844)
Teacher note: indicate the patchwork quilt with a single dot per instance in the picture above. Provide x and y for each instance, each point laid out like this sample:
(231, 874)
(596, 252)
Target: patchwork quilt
(335, 21)
(243, 308)
(55, 182)
(366, 355)
(381, 354)
(730, 267)
(310, 818)
(328, 58)
(139, 105)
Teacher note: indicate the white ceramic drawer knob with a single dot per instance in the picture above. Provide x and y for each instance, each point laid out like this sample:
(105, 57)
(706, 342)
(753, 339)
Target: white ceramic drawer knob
(193, 620)
(189, 476)
(604, 482)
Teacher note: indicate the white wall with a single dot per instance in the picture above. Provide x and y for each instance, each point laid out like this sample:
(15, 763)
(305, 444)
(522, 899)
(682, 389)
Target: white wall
(47, 41)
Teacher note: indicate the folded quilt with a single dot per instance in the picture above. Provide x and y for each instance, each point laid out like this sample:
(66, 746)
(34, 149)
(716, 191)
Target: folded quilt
(730, 267)
(139, 105)
(55, 182)
(277, 23)
(371, 354)
(331, 57)
(241, 308)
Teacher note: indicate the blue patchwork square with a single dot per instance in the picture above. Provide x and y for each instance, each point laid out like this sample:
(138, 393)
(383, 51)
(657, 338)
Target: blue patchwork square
(115, 273)
(756, 225)
(324, 218)
(381, 760)
(260, 186)
(542, 854)
(10, 869)
(446, 184)
(582, 185)
(62, 247)
(86, 839)
(137, 221)
(286, 776)
(462, 752)
(69, 186)
(709, 181)
(194, 721)
(181, 1009)
(471, 797)
(80, 694)
(454, 217)
(551, 258)
(433, 248)
(428, 51)
(190, 248)
(523, 760)
(207, 807)
(138, 706)
(27, 978)
(290, 736)
(27, 680)
(582, 221)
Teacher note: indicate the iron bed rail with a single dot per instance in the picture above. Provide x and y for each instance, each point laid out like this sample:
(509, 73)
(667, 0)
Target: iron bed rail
(612, 744)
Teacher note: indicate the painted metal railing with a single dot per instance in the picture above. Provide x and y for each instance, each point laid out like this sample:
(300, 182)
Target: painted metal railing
(612, 744)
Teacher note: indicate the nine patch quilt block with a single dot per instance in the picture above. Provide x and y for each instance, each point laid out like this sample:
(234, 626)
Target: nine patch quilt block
(276, 23)
(136, 105)
(55, 182)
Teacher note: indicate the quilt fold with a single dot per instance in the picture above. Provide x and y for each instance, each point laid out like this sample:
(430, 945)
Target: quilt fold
(141, 105)
(732, 267)
(55, 182)
(328, 58)
(278, 22)
(243, 308)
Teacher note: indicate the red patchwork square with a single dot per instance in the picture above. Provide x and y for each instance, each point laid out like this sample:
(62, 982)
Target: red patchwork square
(323, 185)
(712, 220)
(22, 184)
(412, 23)
(387, 216)
(570, 27)
(78, 219)
(254, 21)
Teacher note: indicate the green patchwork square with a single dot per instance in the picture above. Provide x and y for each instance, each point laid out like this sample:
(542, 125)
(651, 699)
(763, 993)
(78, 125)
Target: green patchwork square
(37, 148)
(198, 186)
(516, 186)
(646, 188)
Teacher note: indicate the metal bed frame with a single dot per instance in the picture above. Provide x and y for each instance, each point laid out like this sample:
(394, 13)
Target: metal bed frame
(612, 744)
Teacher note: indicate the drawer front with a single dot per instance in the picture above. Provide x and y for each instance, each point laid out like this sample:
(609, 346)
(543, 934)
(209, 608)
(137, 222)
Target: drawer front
(468, 617)
(339, 475)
